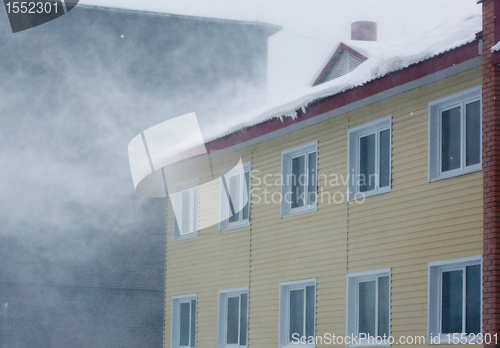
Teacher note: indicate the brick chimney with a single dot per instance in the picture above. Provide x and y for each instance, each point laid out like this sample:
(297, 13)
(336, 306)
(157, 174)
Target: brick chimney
(364, 31)
(491, 171)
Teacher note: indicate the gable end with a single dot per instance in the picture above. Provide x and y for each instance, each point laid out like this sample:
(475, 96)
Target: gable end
(344, 60)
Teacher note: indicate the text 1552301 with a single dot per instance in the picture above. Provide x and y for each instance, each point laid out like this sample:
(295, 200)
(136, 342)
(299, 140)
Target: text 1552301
(31, 7)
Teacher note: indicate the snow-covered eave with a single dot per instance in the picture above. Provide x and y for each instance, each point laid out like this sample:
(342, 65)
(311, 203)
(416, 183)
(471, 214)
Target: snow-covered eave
(317, 94)
(495, 54)
(317, 98)
(496, 47)
(395, 58)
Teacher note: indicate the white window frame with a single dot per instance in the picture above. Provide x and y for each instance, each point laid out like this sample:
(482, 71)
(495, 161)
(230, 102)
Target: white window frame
(284, 311)
(434, 151)
(175, 333)
(222, 318)
(225, 224)
(352, 305)
(286, 171)
(435, 270)
(194, 186)
(353, 157)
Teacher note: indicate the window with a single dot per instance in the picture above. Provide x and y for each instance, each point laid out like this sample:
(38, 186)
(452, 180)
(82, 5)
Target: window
(297, 313)
(370, 159)
(184, 321)
(455, 135)
(368, 306)
(454, 298)
(233, 318)
(185, 205)
(299, 185)
(235, 198)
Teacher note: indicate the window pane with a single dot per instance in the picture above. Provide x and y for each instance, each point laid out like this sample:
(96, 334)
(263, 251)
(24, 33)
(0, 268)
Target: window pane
(385, 158)
(312, 178)
(193, 323)
(296, 313)
(367, 163)
(310, 309)
(246, 208)
(186, 211)
(383, 306)
(473, 299)
(226, 198)
(243, 320)
(234, 192)
(298, 181)
(473, 133)
(184, 324)
(194, 209)
(451, 310)
(450, 139)
(233, 304)
(367, 308)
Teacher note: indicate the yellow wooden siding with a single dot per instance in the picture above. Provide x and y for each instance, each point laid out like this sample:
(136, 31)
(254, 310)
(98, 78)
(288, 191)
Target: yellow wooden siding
(416, 223)
(211, 262)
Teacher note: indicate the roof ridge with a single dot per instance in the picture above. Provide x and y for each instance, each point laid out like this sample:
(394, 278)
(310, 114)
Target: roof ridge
(272, 27)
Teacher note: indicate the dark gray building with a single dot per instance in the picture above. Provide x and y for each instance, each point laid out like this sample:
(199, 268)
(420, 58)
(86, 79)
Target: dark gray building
(81, 256)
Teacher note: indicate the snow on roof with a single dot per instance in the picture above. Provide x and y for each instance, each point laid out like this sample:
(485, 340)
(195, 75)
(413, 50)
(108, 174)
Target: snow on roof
(383, 58)
(369, 48)
(496, 47)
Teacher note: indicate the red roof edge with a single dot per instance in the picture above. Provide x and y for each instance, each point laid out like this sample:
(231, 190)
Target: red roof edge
(353, 52)
(418, 70)
(328, 65)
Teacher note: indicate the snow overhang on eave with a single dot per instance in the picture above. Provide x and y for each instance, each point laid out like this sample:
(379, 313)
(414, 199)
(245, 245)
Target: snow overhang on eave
(320, 106)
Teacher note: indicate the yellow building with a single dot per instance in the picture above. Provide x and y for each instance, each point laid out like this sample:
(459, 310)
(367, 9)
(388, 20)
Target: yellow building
(364, 217)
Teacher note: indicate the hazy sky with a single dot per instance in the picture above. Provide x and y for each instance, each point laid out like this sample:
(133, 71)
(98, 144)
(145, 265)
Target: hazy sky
(324, 20)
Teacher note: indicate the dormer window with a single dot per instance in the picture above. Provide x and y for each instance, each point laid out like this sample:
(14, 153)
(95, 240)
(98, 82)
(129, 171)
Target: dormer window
(343, 61)
(346, 63)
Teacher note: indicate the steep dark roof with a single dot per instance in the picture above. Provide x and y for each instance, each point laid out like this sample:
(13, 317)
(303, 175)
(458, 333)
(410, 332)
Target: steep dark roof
(269, 29)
